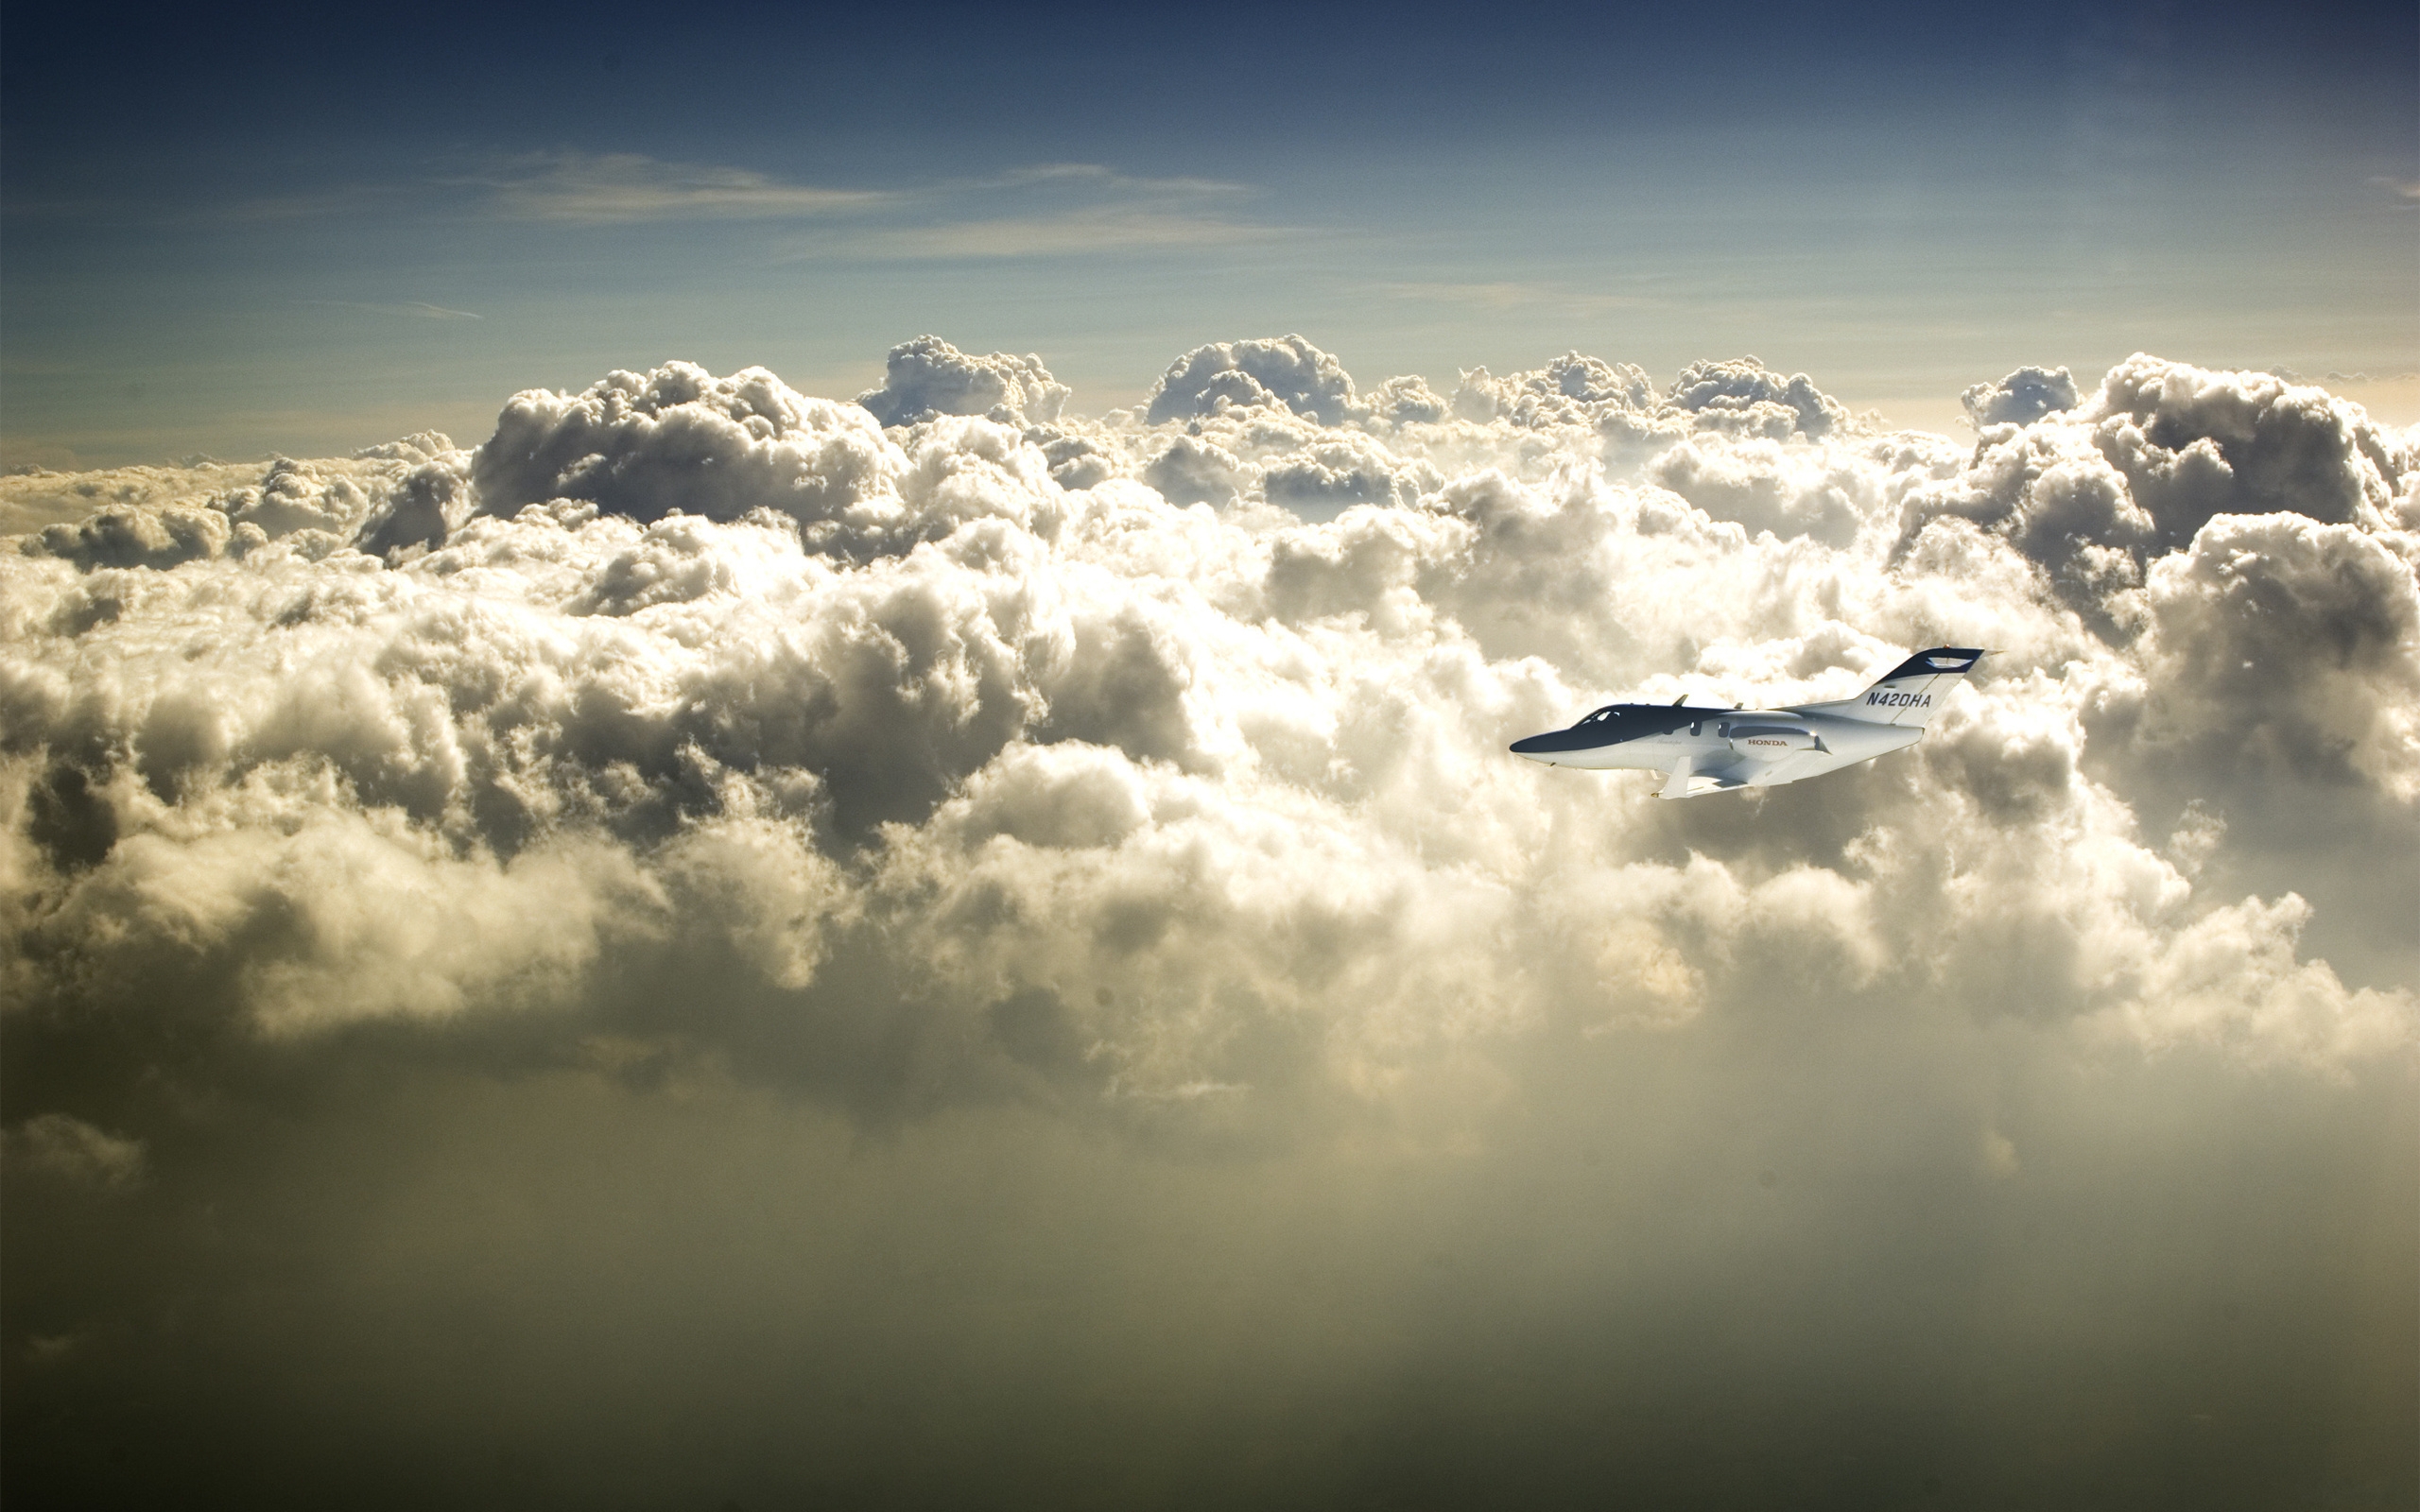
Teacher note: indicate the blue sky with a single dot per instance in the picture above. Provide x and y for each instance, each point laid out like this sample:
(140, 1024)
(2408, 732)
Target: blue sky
(298, 229)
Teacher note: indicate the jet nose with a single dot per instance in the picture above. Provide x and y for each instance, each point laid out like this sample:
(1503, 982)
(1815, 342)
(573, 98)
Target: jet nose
(1533, 747)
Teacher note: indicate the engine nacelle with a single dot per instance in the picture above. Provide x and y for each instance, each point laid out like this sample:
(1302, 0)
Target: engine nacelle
(1772, 740)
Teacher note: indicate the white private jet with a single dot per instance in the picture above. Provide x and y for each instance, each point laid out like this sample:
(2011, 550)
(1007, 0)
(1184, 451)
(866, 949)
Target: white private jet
(1715, 750)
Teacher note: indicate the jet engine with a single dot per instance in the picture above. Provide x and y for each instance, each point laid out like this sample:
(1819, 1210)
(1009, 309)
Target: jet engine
(1772, 740)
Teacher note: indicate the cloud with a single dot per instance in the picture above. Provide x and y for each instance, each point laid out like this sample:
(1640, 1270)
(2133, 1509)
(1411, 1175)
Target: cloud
(929, 377)
(579, 189)
(1739, 397)
(620, 188)
(892, 821)
(1101, 176)
(1571, 389)
(642, 446)
(1068, 232)
(1515, 295)
(2160, 451)
(2231, 978)
(677, 600)
(1054, 210)
(160, 517)
(70, 1150)
(1045, 209)
(41, 496)
(1743, 395)
(2021, 397)
(1288, 372)
(412, 309)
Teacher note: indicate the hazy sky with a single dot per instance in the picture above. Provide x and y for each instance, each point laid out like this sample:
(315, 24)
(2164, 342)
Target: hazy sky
(795, 915)
(311, 229)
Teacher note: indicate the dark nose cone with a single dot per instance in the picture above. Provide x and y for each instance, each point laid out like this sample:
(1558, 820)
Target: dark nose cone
(1553, 744)
(1556, 742)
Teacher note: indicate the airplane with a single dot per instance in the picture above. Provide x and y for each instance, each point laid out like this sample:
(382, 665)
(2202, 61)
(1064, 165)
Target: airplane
(1720, 750)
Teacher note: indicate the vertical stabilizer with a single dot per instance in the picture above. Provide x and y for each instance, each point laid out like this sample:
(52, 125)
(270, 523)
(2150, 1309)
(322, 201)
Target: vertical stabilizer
(1910, 693)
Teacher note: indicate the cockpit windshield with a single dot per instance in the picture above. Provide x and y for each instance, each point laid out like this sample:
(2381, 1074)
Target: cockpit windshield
(1634, 721)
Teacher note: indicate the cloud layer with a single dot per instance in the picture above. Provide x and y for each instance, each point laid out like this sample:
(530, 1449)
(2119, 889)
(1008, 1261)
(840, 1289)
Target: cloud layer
(947, 751)
(981, 654)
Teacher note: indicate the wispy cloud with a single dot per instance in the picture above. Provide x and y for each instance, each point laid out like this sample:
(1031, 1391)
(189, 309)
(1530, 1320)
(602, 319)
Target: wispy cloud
(1042, 209)
(2407, 190)
(622, 187)
(1091, 228)
(1049, 210)
(414, 309)
(1554, 298)
(1102, 177)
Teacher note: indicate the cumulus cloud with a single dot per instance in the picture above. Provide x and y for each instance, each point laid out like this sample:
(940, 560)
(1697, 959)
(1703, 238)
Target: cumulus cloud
(1747, 397)
(38, 497)
(947, 751)
(535, 677)
(139, 538)
(1573, 388)
(640, 446)
(1287, 372)
(2021, 397)
(390, 494)
(929, 377)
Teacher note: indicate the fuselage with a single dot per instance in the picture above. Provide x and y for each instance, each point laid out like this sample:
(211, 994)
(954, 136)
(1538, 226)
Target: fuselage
(1760, 746)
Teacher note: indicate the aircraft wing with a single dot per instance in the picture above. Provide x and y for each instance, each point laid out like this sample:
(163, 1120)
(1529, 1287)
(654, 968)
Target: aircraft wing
(1691, 777)
(1721, 774)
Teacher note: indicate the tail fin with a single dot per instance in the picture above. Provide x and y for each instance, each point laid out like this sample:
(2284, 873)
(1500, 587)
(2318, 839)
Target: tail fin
(1908, 695)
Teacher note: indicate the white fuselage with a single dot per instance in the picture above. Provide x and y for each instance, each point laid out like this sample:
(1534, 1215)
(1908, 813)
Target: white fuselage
(1720, 747)
(1843, 743)
(1714, 751)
